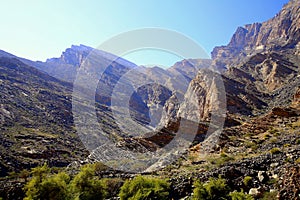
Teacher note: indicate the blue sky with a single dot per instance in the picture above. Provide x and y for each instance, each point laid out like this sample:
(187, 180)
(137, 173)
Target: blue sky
(42, 29)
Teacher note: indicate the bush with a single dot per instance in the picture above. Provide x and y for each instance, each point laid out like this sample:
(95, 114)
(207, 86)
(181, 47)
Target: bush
(43, 185)
(86, 185)
(247, 180)
(113, 186)
(55, 187)
(275, 150)
(144, 188)
(224, 158)
(235, 195)
(213, 189)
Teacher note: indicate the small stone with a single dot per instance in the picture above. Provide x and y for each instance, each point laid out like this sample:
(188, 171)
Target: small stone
(254, 192)
(273, 165)
(261, 176)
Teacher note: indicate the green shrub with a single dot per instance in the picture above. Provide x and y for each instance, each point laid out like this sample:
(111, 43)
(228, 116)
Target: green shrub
(84, 186)
(224, 158)
(267, 136)
(55, 187)
(286, 145)
(43, 185)
(252, 145)
(144, 188)
(298, 141)
(213, 189)
(247, 180)
(275, 150)
(113, 186)
(87, 186)
(235, 195)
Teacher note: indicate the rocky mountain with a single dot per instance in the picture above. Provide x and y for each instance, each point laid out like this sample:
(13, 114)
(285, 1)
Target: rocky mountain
(280, 32)
(35, 119)
(36, 107)
(262, 60)
(255, 94)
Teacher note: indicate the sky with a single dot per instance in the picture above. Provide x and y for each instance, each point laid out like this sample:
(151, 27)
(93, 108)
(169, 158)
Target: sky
(41, 29)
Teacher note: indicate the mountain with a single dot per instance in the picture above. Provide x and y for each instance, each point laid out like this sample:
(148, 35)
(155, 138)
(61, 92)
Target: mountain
(260, 72)
(261, 62)
(255, 94)
(279, 33)
(36, 107)
(35, 119)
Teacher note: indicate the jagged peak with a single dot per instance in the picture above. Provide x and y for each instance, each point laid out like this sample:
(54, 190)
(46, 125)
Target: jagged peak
(81, 47)
(281, 31)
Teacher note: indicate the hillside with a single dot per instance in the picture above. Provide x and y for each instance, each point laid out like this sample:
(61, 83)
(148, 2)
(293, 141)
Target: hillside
(241, 123)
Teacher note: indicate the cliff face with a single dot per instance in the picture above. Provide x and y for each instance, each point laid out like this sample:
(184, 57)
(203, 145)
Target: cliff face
(72, 56)
(282, 31)
(259, 67)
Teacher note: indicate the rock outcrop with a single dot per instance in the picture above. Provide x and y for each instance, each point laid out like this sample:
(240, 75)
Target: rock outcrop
(282, 31)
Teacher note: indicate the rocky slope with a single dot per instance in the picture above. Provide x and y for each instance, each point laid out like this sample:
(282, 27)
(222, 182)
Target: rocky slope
(35, 119)
(262, 61)
(260, 140)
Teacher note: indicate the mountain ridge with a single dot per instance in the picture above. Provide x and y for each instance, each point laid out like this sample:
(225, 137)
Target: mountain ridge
(259, 139)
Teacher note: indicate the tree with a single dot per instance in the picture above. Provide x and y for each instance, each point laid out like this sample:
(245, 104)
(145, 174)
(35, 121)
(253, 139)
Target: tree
(142, 188)
(33, 186)
(87, 186)
(43, 185)
(55, 187)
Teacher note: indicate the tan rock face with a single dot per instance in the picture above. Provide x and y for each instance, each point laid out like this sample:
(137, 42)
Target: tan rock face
(270, 71)
(282, 30)
(202, 97)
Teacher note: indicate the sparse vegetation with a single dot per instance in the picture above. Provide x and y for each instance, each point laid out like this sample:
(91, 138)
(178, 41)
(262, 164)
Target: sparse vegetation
(45, 185)
(86, 185)
(247, 180)
(296, 124)
(255, 152)
(211, 190)
(275, 150)
(251, 144)
(145, 188)
(221, 159)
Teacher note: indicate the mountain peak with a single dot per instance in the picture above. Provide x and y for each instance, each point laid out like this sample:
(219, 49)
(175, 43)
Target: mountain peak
(81, 47)
(73, 56)
(281, 31)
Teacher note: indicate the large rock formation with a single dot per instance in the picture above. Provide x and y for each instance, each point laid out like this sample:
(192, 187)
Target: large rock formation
(282, 31)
